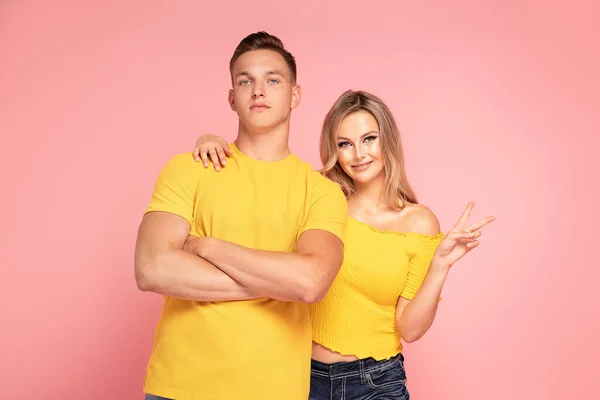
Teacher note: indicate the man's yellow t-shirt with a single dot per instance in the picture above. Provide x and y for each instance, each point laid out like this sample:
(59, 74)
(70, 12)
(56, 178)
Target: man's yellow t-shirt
(240, 350)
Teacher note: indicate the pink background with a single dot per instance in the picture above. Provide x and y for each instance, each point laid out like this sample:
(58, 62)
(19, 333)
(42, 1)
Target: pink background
(497, 103)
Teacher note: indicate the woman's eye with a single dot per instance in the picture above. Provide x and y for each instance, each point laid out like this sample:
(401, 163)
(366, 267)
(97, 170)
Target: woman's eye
(343, 144)
(370, 138)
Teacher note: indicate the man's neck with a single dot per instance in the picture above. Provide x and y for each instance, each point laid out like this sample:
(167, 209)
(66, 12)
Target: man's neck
(271, 145)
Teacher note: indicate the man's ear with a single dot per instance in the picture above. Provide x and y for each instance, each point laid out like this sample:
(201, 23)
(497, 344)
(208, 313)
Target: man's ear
(231, 100)
(296, 95)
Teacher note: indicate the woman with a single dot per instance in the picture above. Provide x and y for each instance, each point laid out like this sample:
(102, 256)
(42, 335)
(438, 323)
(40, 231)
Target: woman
(396, 259)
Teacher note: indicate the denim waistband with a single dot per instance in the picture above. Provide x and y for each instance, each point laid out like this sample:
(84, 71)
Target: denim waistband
(358, 368)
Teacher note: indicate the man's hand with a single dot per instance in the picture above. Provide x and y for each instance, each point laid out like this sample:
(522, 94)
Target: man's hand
(197, 245)
(161, 265)
(304, 275)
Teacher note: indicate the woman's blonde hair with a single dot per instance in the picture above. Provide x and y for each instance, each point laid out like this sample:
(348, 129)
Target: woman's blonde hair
(397, 189)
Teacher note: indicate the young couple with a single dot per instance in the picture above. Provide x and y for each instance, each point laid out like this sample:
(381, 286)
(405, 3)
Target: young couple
(280, 282)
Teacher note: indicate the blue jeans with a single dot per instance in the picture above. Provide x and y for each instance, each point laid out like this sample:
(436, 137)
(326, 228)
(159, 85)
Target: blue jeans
(358, 380)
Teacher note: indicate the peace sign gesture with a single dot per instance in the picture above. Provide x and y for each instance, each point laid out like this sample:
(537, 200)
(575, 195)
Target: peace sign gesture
(460, 239)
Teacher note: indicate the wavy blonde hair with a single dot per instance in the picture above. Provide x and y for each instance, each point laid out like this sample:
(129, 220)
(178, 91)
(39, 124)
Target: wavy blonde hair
(397, 190)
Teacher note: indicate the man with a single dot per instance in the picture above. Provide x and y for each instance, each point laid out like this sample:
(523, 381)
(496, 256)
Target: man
(266, 239)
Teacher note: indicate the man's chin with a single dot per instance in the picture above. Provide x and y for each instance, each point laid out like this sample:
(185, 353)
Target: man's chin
(259, 127)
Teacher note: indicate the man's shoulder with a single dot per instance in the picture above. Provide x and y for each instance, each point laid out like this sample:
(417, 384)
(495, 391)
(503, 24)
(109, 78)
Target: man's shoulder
(184, 160)
(314, 174)
(326, 184)
(318, 184)
(183, 163)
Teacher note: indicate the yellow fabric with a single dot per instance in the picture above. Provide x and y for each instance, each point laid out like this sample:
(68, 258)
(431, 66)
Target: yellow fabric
(357, 316)
(250, 350)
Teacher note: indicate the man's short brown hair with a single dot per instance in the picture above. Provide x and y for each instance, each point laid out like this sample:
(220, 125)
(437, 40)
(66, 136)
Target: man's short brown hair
(264, 41)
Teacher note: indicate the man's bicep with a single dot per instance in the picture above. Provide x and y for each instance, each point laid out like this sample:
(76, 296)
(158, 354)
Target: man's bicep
(323, 245)
(160, 230)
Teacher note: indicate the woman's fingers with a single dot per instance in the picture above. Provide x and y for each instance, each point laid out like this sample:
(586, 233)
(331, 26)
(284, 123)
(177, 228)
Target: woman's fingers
(215, 159)
(222, 156)
(473, 244)
(481, 223)
(204, 157)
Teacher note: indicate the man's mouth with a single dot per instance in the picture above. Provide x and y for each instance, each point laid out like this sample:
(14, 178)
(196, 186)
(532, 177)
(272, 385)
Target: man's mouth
(259, 107)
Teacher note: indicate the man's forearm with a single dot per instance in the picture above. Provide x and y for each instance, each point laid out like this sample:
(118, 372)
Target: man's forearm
(176, 273)
(278, 275)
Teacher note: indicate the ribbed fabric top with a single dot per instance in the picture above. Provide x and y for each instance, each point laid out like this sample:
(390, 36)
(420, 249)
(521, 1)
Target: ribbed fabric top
(357, 316)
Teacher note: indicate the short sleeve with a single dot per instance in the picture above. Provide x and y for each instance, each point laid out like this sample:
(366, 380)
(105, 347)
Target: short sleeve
(176, 186)
(328, 209)
(421, 251)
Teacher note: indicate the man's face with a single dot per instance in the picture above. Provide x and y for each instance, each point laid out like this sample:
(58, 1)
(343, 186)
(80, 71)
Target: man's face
(263, 93)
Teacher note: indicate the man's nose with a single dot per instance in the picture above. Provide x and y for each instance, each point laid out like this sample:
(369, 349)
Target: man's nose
(258, 91)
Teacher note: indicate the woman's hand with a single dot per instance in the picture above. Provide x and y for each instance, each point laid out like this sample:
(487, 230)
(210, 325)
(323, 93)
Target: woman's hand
(459, 240)
(214, 147)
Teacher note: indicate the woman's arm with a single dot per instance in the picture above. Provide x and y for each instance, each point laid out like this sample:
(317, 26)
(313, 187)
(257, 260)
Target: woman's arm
(415, 317)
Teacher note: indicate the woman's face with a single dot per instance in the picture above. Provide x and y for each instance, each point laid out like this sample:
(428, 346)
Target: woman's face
(358, 147)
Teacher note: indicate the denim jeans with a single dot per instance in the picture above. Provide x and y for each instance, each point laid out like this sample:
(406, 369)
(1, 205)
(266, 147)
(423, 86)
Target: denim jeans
(359, 380)
(356, 380)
